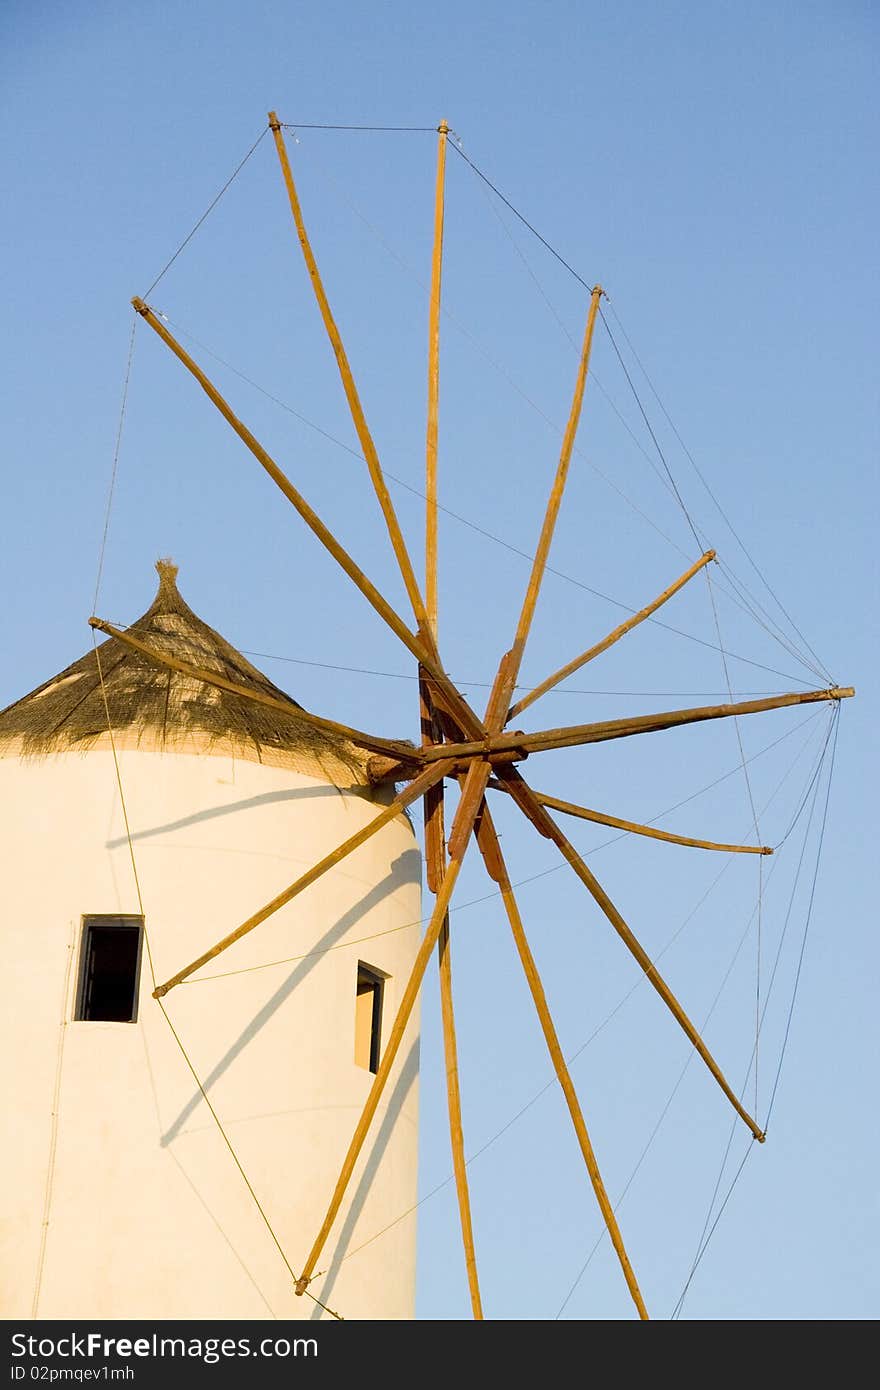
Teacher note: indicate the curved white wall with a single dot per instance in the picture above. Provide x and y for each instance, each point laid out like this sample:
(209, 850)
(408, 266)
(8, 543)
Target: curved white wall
(147, 1215)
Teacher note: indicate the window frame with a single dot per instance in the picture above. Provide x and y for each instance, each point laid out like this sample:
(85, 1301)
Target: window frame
(377, 979)
(88, 920)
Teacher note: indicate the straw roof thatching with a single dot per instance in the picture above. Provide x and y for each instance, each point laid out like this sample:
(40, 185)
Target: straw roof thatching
(152, 707)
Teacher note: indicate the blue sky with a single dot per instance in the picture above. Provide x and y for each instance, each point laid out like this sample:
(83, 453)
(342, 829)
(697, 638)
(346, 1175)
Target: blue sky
(711, 165)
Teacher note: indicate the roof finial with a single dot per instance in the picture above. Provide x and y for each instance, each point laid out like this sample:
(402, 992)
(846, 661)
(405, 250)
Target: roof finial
(167, 572)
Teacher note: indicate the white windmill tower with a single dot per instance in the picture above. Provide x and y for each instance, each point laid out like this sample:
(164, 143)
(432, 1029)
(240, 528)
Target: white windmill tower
(143, 812)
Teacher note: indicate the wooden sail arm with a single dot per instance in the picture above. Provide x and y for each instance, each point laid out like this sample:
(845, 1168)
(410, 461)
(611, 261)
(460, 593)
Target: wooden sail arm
(544, 823)
(612, 637)
(401, 752)
(487, 840)
(569, 808)
(348, 384)
(572, 736)
(421, 646)
(539, 564)
(435, 867)
(431, 432)
(456, 1130)
(435, 841)
(405, 798)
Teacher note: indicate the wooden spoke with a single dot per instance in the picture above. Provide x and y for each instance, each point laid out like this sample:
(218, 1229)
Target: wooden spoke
(554, 502)
(487, 840)
(462, 827)
(405, 798)
(612, 637)
(536, 813)
(402, 752)
(348, 385)
(573, 735)
(435, 838)
(569, 808)
(310, 517)
(456, 1132)
(421, 646)
(435, 861)
(434, 387)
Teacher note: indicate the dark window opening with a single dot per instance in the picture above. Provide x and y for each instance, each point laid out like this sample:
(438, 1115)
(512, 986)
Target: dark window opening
(368, 1017)
(109, 971)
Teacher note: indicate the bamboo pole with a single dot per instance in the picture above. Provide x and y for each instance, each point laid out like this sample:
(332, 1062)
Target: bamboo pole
(399, 751)
(405, 798)
(435, 860)
(612, 637)
(456, 1132)
(435, 841)
(574, 735)
(536, 813)
(420, 646)
(554, 502)
(553, 803)
(435, 849)
(434, 385)
(487, 840)
(348, 384)
(465, 816)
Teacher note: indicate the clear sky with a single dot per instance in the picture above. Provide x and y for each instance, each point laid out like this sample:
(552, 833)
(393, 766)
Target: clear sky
(714, 166)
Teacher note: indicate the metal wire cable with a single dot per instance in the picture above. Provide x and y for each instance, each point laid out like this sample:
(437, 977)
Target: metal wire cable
(487, 685)
(210, 208)
(790, 908)
(704, 1239)
(806, 928)
(115, 468)
(707, 1232)
(818, 768)
(748, 781)
(755, 608)
(593, 378)
(676, 1314)
(508, 204)
(718, 505)
(650, 429)
(310, 125)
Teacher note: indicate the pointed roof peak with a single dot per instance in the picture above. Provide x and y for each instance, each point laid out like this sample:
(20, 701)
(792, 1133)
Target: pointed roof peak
(168, 598)
(154, 705)
(167, 572)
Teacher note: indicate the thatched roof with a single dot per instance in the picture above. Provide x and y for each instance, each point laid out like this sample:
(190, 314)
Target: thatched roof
(152, 707)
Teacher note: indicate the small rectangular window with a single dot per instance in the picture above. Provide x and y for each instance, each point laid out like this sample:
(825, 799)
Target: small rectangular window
(368, 1017)
(109, 969)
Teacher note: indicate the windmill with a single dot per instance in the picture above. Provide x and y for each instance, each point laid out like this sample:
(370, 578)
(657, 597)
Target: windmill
(478, 753)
